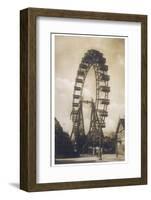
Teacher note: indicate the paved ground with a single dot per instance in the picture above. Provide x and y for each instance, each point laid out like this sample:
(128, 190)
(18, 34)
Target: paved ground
(90, 159)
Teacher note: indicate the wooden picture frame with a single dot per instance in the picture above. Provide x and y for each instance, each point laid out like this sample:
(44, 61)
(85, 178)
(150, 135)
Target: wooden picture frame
(28, 98)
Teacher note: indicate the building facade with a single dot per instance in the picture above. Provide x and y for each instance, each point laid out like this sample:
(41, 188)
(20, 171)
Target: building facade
(120, 137)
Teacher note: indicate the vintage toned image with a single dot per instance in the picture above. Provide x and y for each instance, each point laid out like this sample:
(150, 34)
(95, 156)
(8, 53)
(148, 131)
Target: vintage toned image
(89, 98)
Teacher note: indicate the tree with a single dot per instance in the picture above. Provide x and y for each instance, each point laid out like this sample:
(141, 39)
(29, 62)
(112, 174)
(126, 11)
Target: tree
(63, 144)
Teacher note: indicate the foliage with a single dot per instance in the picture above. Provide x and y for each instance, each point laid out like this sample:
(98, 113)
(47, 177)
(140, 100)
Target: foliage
(63, 144)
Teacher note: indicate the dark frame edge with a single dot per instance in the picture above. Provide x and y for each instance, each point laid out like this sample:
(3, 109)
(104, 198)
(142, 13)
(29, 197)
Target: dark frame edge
(87, 184)
(27, 103)
(94, 15)
(24, 182)
(144, 99)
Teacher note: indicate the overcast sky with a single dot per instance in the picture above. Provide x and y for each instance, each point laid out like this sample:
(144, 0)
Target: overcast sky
(68, 53)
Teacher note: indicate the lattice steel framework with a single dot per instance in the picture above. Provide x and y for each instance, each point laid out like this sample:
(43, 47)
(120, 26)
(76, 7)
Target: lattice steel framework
(95, 59)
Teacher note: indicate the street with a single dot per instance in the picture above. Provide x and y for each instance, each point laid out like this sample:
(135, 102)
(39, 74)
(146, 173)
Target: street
(85, 158)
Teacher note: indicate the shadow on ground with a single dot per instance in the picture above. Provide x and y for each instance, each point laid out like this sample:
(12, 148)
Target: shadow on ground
(16, 185)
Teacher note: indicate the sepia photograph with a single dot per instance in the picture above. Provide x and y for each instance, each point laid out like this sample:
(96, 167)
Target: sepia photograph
(89, 98)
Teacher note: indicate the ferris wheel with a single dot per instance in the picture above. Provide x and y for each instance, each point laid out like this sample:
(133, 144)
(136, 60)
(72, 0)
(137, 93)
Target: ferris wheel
(92, 59)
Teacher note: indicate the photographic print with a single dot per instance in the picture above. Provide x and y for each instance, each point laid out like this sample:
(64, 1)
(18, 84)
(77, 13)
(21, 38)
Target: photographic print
(89, 98)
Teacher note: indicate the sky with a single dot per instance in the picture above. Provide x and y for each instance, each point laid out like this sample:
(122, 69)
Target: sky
(69, 50)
